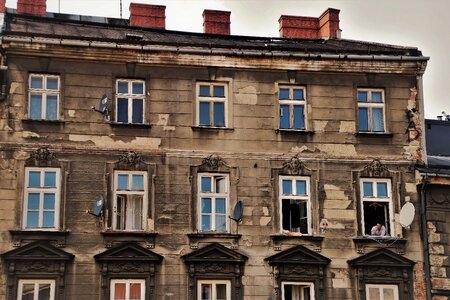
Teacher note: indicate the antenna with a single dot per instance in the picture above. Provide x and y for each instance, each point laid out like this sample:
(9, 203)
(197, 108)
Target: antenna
(121, 9)
(407, 214)
(98, 207)
(103, 107)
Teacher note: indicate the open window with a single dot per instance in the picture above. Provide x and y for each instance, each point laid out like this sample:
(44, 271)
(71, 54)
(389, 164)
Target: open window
(213, 197)
(297, 291)
(212, 104)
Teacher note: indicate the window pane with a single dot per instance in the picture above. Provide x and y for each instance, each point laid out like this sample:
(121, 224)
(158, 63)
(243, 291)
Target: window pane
(381, 189)
(122, 110)
(122, 182)
(119, 291)
(221, 291)
(219, 91)
(298, 94)
(36, 107)
(34, 178)
(28, 291)
(32, 219)
(122, 87)
(287, 187)
(138, 111)
(206, 222)
(220, 183)
(51, 112)
(49, 201)
(221, 223)
(363, 119)
(284, 116)
(138, 88)
(206, 292)
(367, 189)
(33, 201)
(219, 114)
(362, 96)
(135, 291)
(283, 94)
(52, 83)
(388, 293)
(204, 91)
(134, 212)
(138, 183)
(36, 82)
(205, 114)
(301, 187)
(374, 294)
(50, 179)
(44, 291)
(49, 219)
(206, 205)
(206, 184)
(377, 119)
(299, 117)
(376, 97)
(220, 205)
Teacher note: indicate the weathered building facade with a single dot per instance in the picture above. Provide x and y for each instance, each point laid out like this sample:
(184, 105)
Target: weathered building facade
(306, 132)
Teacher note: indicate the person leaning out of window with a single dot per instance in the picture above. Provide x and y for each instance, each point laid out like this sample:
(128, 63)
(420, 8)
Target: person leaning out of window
(378, 230)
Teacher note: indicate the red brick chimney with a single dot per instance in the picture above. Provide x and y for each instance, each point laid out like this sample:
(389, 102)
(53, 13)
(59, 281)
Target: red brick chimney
(216, 21)
(299, 27)
(148, 15)
(32, 7)
(2, 6)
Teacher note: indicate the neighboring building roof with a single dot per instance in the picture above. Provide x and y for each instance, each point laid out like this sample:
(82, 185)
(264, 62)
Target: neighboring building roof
(437, 135)
(65, 26)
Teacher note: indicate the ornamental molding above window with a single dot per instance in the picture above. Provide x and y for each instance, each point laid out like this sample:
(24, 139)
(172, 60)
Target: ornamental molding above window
(376, 169)
(214, 162)
(42, 155)
(131, 158)
(295, 166)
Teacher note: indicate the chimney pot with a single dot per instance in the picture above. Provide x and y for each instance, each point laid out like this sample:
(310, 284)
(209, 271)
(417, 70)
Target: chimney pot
(2, 6)
(32, 7)
(216, 21)
(148, 15)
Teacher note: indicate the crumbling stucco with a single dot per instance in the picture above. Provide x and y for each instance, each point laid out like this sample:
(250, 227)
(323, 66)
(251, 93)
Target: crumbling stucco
(347, 126)
(110, 143)
(337, 149)
(319, 126)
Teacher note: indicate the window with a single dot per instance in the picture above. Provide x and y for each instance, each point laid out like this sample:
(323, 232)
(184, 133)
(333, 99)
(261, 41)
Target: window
(295, 204)
(36, 290)
(381, 292)
(214, 290)
(376, 205)
(130, 96)
(127, 289)
(213, 201)
(43, 97)
(41, 199)
(130, 200)
(292, 107)
(212, 104)
(297, 291)
(371, 110)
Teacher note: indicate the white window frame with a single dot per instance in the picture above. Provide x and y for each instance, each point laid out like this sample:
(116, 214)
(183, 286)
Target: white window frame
(309, 284)
(382, 287)
(44, 92)
(213, 196)
(306, 198)
(291, 102)
(387, 199)
(36, 283)
(42, 190)
(211, 100)
(127, 283)
(143, 193)
(370, 105)
(130, 97)
(213, 283)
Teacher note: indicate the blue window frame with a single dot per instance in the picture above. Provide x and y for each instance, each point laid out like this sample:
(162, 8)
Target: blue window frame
(130, 101)
(292, 103)
(41, 198)
(371, 104)
(212, 104)
(44, 90)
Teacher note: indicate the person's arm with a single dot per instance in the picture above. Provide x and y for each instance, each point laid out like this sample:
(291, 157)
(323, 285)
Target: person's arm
(374, 230)
(383, 231)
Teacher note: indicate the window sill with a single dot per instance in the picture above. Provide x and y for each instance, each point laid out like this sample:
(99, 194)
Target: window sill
(137, 125)
(374, 134)
(49, 122)
(364, 243)
(210, 128)
(195, 237)
(314, 241)
(115, 236)
(293, 131)
(20, 235)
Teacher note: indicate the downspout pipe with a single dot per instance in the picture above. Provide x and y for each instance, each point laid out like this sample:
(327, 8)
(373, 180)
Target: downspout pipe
(425, 238)
(3, 82)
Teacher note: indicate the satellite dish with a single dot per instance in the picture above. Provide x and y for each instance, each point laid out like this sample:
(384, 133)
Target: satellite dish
(238, 211)
(98, 207)
(407, 214)
(103, 107)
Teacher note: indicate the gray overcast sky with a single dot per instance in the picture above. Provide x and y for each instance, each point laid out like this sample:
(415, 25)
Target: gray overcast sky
(419, 23)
